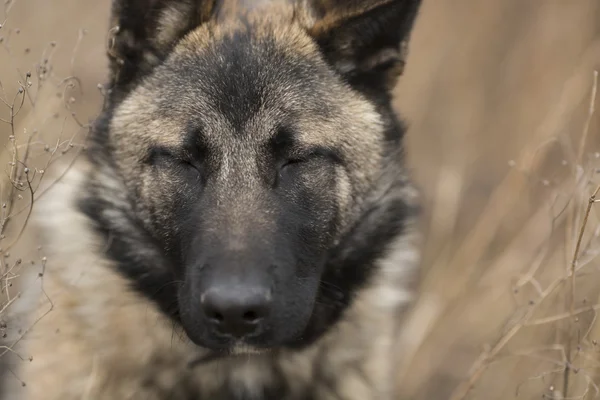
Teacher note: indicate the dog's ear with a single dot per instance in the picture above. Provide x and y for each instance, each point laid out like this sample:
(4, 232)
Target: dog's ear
(143, 32)
(364, 40)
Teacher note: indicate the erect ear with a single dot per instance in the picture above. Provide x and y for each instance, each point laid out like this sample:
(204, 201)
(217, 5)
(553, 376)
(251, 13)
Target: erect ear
(364, 40)
(143, 32)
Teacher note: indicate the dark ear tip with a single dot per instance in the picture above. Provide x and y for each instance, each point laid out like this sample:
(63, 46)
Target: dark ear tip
(367, 38)
(137, 41)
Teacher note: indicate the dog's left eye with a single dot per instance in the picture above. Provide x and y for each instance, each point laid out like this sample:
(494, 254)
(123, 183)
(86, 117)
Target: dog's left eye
(191, 168)
(185, 166)
(293, 163)
(289, 170)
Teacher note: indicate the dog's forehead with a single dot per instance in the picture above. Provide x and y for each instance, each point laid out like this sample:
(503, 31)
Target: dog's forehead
(231, 9)
(242, 83)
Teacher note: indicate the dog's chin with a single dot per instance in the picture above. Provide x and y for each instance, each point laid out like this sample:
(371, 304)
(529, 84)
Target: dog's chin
(242, 349)
(236, 350)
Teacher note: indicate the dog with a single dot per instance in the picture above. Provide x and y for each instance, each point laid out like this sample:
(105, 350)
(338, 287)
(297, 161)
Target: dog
(242, 225)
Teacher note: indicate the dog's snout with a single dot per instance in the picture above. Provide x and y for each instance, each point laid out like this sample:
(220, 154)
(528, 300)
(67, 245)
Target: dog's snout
(236, 311)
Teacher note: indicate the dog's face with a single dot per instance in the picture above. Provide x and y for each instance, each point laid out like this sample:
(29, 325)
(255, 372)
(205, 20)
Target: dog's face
(251, 148)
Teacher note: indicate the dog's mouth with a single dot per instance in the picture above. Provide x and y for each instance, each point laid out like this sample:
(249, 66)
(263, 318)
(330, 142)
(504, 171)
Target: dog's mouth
(237, 350)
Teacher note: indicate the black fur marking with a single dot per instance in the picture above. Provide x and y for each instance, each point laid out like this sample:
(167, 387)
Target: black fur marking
(136, 256)
(351, 263)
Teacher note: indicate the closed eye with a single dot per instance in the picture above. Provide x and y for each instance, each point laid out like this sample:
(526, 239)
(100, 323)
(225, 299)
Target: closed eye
(318, 153)
(291, 151)
(191, 164)
(292, 162)
(162, 155)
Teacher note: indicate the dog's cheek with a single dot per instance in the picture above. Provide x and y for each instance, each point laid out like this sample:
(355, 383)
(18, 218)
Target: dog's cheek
(323, 192)
(159, 196)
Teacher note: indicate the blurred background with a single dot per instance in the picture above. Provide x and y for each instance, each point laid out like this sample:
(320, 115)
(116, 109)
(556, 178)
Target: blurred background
(504, 143)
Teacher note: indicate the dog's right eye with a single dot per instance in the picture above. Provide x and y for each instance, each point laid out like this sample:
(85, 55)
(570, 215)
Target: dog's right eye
(294, 162)
(161, 157)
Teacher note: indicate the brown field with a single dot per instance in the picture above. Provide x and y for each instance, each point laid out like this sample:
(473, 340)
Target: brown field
(503, 141)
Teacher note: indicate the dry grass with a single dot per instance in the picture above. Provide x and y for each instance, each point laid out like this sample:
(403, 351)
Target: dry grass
(46, 100)
(504, 142)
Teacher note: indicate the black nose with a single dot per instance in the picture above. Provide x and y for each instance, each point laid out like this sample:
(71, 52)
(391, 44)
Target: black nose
(236, 312)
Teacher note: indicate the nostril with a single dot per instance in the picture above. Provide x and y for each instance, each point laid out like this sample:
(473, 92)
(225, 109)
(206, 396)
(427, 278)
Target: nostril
(235, 312)
(216, 316)
(250, 316)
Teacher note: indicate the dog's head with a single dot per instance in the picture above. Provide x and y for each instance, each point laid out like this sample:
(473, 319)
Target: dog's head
(248, 163)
